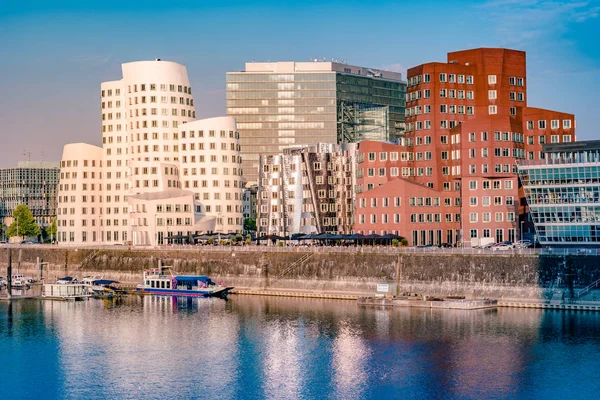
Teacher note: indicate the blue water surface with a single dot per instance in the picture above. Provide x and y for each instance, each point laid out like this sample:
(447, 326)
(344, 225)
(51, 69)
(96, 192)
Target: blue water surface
(282, 348)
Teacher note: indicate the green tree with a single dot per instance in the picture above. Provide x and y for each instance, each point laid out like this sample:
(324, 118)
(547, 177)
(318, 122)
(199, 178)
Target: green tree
(51, 230)
(250, 224)
(23, 223)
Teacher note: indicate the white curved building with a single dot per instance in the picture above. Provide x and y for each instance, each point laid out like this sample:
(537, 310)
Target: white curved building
(80, 217)
(147, 160)
(211, 167)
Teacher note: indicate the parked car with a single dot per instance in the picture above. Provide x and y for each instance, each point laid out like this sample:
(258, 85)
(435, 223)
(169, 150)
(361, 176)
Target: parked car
(523, 244)
(27, 242)
(427, 247)
(446, 246)
(503, 246)
(489, 245)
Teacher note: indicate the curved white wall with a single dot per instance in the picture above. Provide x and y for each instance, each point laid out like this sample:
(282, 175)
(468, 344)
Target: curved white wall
(158, 99)
(80, 197)
(114, 144)
(211, 168)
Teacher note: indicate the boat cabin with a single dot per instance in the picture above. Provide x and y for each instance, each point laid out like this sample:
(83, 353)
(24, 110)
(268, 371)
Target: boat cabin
(159, 279)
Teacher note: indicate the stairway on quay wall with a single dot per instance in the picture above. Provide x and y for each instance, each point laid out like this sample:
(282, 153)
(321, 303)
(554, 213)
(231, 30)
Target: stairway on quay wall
(354, 273)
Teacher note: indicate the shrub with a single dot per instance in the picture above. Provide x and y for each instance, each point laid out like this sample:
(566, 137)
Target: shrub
(395, 242)
(404, 242)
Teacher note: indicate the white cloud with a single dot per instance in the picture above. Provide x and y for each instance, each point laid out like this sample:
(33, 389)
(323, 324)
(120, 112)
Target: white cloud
(522, 22)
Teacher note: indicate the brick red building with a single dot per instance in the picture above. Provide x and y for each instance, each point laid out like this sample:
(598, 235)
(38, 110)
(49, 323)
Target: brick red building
(468, 124)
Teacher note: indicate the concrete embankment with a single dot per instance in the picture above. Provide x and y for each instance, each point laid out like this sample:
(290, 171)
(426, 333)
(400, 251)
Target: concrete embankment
(354, 273)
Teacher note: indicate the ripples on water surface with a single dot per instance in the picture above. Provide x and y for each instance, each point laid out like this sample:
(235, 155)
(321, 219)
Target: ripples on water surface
(278, 348)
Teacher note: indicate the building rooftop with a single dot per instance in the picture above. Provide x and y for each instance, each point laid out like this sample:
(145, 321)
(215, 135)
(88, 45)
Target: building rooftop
(283, 67)
(584, 145)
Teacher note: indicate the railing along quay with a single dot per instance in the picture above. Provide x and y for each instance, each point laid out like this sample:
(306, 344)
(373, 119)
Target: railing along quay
(315, 249)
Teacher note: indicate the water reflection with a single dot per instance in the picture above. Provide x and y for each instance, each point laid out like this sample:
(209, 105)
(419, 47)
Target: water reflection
(252, 347)
(350, 361)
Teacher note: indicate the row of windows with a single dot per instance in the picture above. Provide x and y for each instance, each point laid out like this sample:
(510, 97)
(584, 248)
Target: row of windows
(487, 184)
(213, 159)
(499, 234)
(213, 171)
(163, 88)
(444, 93)
(109, 92)
(554, 124)
(513, 96)
(95, 236)
(211, 133)
(211, 146)
(487, 217)
(84, 210)
(215, 183)
(444, 109)
(487, 201)
(449, 78)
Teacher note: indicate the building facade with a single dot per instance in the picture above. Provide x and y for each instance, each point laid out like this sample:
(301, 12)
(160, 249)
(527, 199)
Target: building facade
(250, 202)
(563, 194)
(34, 184)
(467, 125)
(159, 172)
(82, 215)
(282, 104)
(308, 189)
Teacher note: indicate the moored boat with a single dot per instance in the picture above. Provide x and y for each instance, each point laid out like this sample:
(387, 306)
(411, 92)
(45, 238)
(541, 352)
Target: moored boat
(163, 282)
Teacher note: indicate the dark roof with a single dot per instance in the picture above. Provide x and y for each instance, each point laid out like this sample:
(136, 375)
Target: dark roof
(584, 145)
(193, 278)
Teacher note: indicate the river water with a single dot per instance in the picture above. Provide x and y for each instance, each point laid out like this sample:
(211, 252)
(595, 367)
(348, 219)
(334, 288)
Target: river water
(283, 348)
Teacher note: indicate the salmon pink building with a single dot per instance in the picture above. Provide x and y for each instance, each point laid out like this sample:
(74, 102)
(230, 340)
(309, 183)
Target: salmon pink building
(467, 125)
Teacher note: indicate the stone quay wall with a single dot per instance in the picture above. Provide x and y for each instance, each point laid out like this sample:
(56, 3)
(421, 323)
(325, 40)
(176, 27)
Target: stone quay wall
(472, 275)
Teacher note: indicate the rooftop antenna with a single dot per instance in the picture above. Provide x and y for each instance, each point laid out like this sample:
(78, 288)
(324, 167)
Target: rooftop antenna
(27, 154)
(42, 155)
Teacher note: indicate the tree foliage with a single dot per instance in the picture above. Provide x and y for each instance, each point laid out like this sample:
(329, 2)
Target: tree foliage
(250, 224)
(23, 223)
(52, 229)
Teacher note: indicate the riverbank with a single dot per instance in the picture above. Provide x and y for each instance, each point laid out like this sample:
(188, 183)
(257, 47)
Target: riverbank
(353, 273)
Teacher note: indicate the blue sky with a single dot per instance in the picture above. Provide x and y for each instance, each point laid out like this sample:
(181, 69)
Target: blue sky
(56, 53)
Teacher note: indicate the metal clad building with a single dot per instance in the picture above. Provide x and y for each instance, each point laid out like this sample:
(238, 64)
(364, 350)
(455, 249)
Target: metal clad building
(307, 189)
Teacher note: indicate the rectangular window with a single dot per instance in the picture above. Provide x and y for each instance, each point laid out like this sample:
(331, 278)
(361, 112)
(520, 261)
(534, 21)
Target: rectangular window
(492, 79)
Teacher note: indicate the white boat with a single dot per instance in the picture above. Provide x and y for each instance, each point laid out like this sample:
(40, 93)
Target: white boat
(19, 281)
(66, 280)
(162, 282)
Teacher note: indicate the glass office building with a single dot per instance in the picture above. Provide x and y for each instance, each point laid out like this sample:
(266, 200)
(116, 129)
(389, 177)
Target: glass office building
(563, 193)
(284, 104)
(34, 184)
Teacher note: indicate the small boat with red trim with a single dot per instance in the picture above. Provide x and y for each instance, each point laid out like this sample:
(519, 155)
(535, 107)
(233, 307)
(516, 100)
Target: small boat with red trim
(163, 282)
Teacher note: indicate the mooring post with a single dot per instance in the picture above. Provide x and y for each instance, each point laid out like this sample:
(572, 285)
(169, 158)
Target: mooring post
(40, 269)
(398, 273)
(9, 274)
